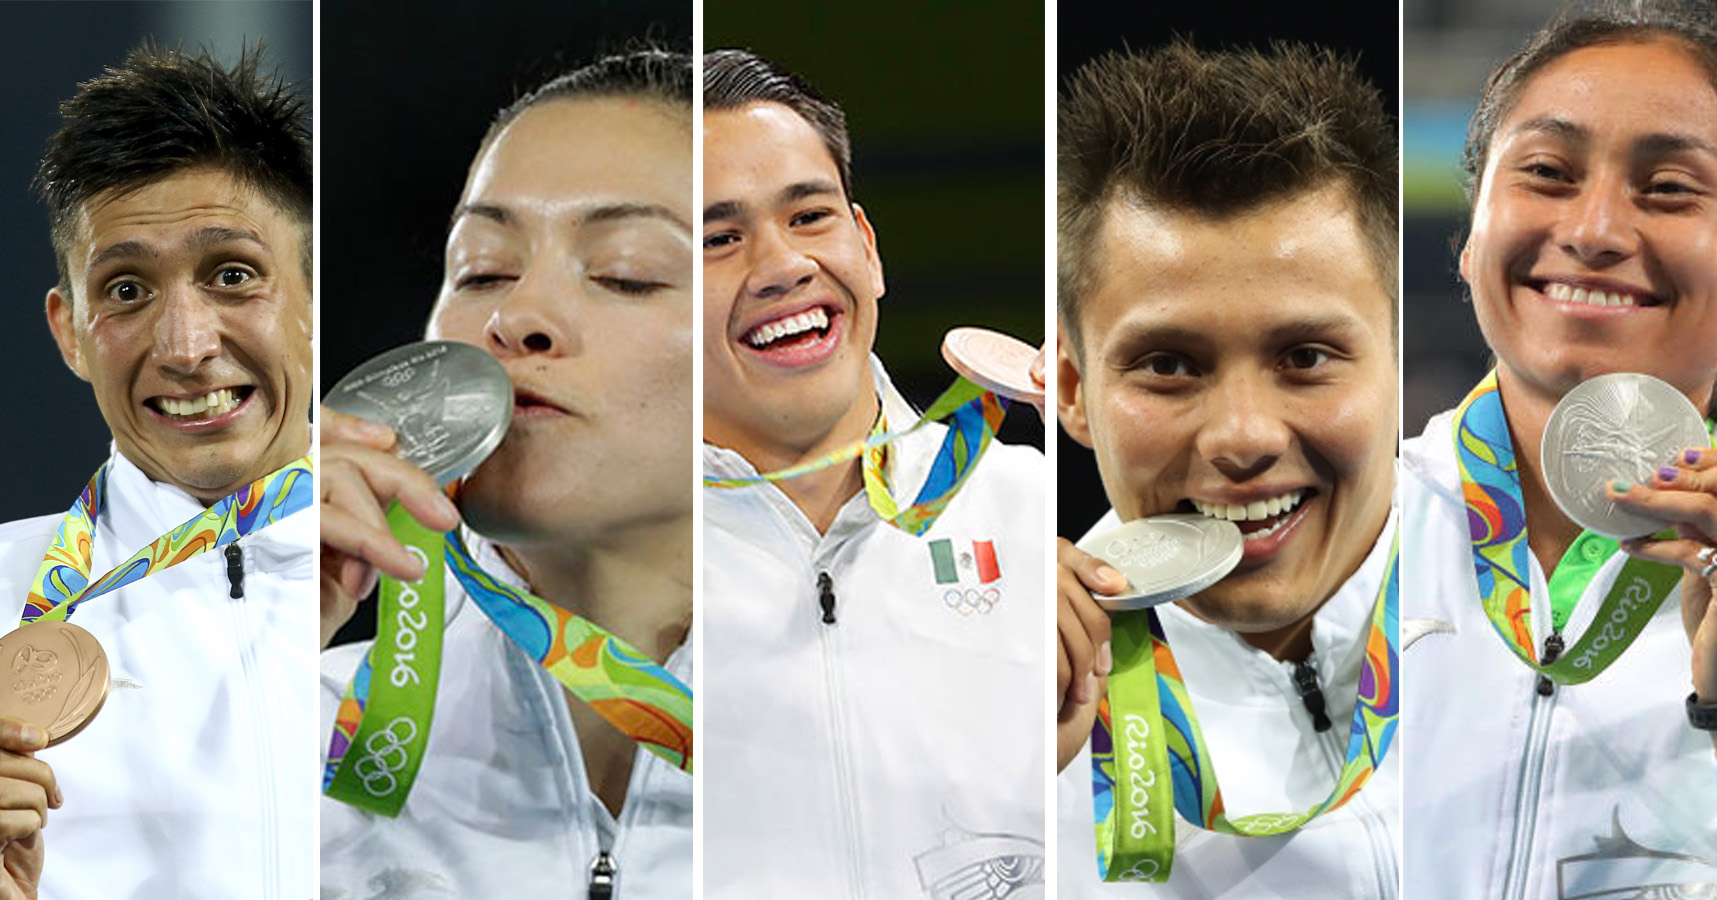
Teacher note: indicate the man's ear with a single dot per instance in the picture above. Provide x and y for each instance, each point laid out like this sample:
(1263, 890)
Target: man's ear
(873, 260)
(60, 311)
(1467, 260)
(1069, 389)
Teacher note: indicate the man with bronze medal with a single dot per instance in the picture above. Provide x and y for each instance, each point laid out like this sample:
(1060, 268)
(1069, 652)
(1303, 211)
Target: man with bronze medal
(179, 193)
(519, 485)
(1562, 518)
(871, 636)
(1227, 227)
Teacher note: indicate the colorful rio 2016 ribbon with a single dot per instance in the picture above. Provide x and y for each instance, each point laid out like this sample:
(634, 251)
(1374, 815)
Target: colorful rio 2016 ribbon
(1148, 755)
(63, 584)
(390, 727)
(973, 416)
(1496, 522)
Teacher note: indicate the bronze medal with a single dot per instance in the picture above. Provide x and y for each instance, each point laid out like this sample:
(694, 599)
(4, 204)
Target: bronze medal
(56, 676)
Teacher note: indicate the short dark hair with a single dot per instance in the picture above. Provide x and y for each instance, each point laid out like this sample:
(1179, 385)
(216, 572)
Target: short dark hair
(652, 72)
(1216, 134)
(163, 111)
(1693, 25)
(734, 78)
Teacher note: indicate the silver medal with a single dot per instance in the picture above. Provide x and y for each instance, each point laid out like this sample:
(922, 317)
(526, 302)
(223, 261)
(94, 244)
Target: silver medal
(449, 403)
(1620, 426)
(1166, 558)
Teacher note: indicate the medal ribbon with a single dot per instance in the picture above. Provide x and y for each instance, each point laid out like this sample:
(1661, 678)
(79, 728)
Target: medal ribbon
(1157, 759)
(1496, 522)
(623, 685)
(973, 416)
(63, 583)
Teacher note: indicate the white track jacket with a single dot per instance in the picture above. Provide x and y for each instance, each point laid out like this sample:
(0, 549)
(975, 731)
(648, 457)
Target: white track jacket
(191, 782)
(897, 750)
(1268, 758)
(503, 805)
(1598, 791)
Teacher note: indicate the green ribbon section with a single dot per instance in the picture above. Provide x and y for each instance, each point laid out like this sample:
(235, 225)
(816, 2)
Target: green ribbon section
(1140, 834)
(1639, 589)
(404, 669)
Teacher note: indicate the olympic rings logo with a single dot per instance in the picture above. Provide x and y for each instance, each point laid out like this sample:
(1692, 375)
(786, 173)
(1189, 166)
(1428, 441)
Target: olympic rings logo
(385, 753)
(1139, 873)
(971, 600)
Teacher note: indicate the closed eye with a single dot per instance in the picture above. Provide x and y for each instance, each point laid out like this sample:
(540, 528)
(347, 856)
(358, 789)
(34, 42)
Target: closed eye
(631, 287)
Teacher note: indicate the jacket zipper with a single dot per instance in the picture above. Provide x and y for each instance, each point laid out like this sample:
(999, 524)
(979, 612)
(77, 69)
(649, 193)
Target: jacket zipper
(846, 796)
(1531, 779)
(603, 874)
(264, 756)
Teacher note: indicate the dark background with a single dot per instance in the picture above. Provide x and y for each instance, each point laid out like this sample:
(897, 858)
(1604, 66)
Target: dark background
(1450, 47)
(1087, 30)
(413, 93)
(944, 103)
(53, 47)
(412, 90)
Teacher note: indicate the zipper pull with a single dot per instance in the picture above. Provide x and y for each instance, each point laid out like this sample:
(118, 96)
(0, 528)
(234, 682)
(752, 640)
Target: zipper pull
(1306, 682)
(1553, 648)
(826, 597)
(603, 872)
(235, 570)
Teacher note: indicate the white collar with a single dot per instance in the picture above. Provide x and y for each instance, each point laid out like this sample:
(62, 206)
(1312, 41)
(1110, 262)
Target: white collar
(138, 510)
(909, 458)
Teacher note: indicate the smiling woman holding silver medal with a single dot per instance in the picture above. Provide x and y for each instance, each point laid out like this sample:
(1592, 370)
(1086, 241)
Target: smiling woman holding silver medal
(569, 262)
(1556, 749)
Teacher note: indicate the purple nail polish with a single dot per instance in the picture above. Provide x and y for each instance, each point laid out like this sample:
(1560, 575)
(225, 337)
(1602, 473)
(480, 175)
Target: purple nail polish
(1692, 456)
(1667, 473)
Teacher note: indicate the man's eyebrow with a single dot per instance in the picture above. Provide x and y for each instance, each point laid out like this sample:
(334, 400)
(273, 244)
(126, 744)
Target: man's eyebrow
(722, 210)
(1310, 328)
(792, 193)
(121, 250)
(803, 189)
(215, 235)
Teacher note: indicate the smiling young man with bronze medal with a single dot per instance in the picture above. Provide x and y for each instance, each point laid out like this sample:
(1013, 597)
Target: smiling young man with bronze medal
(179, 193)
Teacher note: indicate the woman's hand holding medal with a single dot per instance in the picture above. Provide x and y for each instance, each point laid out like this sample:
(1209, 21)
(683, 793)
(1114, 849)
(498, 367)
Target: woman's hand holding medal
(360, 477)
(1684, 494)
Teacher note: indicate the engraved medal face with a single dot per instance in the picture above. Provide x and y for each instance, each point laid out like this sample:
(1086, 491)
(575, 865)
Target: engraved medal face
(993, 361)
(449, 403)
(1166, 558)
(56, 677)
(1621, 426)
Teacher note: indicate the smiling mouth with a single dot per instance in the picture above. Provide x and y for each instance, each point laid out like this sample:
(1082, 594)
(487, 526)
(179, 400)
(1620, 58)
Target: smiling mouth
(1260, 518)
(1579, 296)
(788, 332)
(203, 407)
